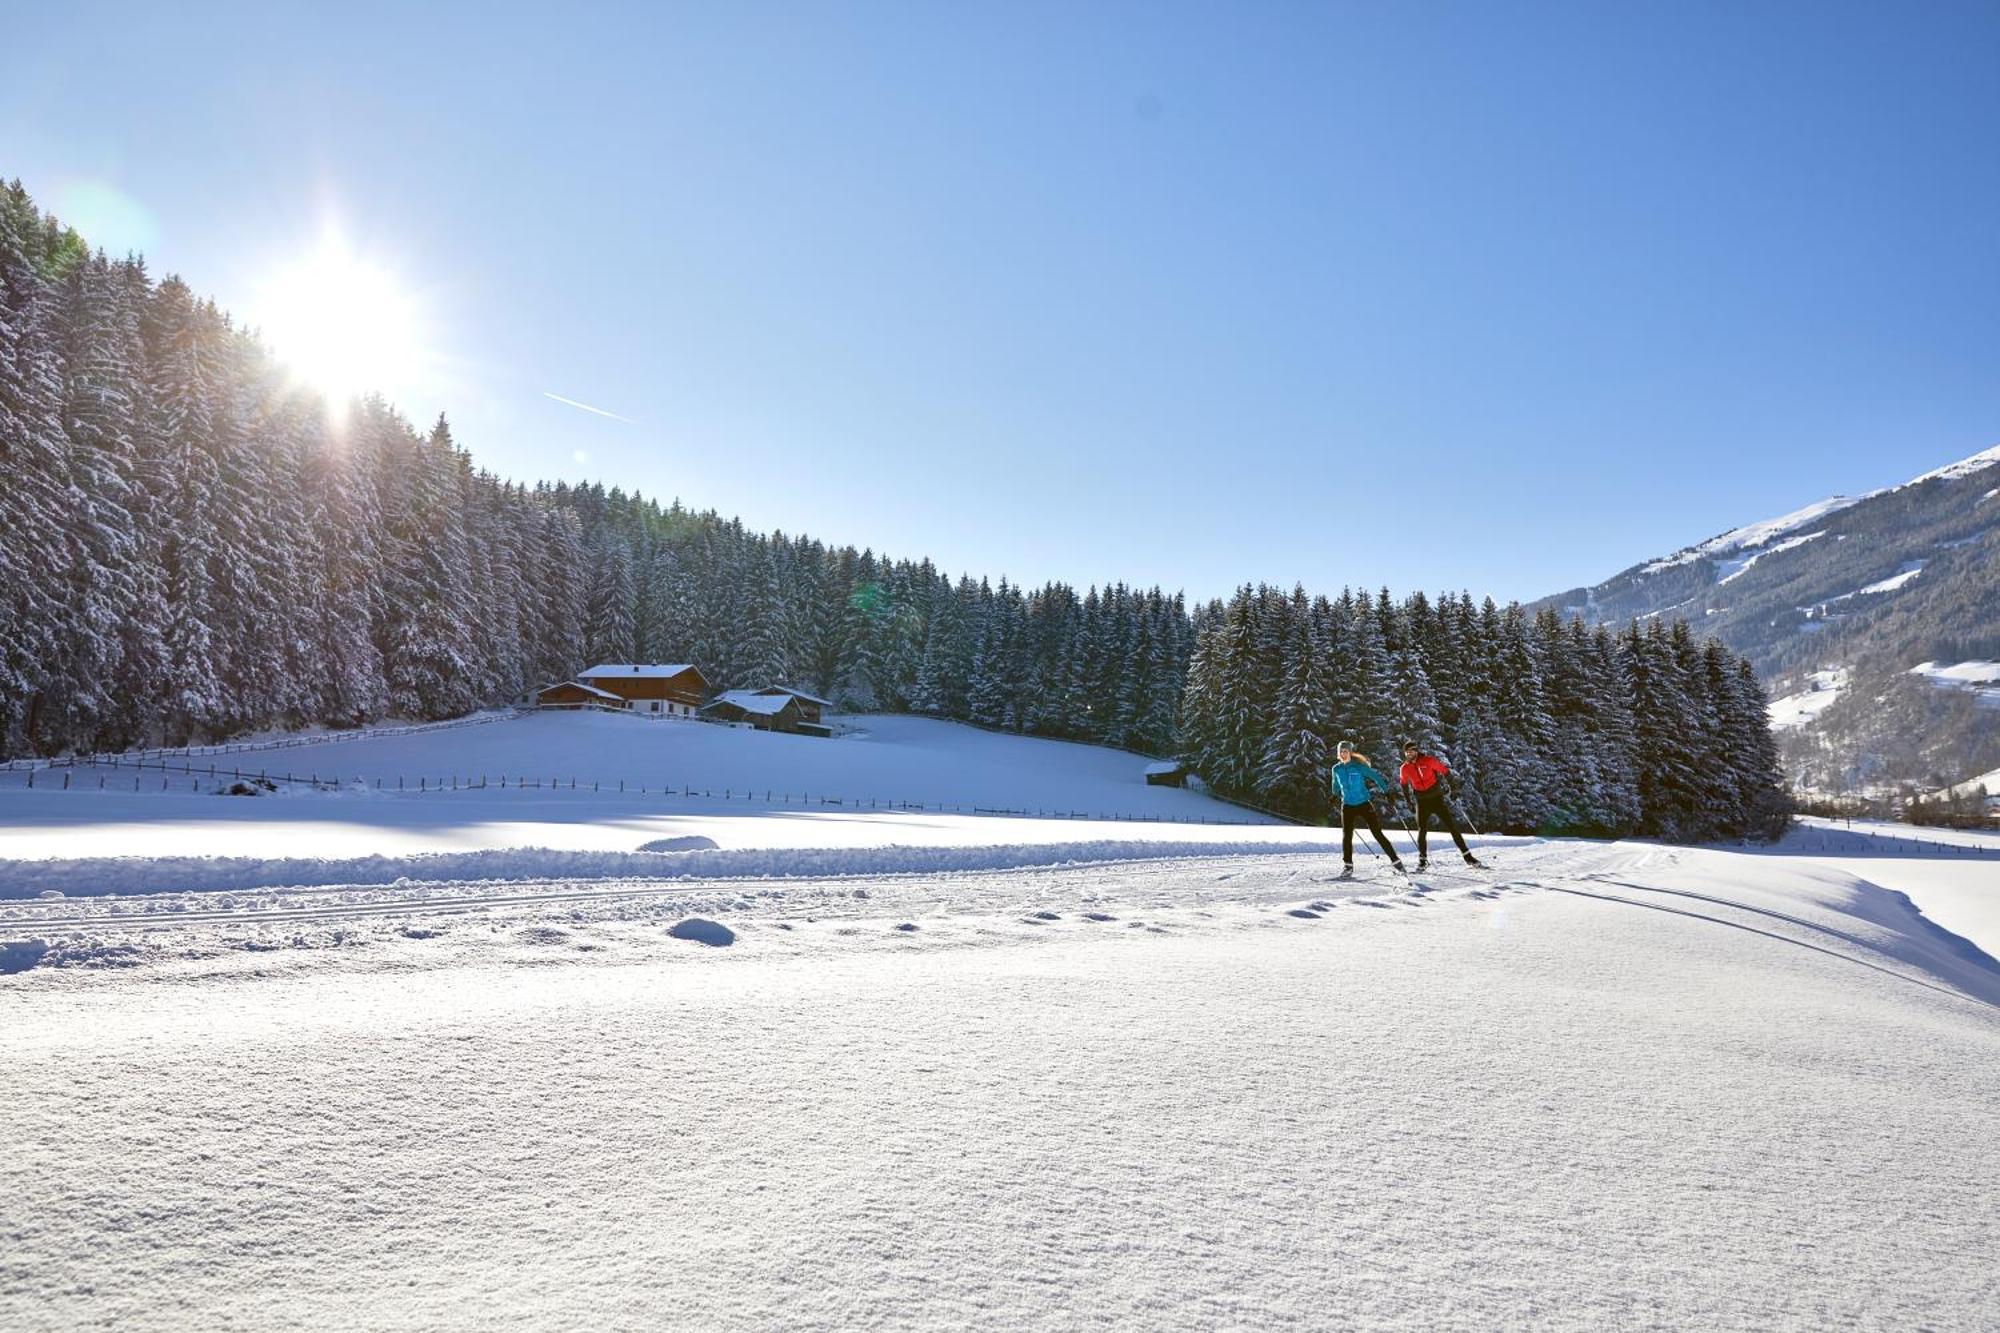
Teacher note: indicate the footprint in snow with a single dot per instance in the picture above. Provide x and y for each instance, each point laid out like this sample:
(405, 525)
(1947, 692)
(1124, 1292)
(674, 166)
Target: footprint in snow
(1039, 917)
(907, 927)
(1304, 913)
(1099, 916)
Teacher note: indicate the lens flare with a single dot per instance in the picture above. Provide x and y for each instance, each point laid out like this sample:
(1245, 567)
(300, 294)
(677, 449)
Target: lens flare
(341, 323)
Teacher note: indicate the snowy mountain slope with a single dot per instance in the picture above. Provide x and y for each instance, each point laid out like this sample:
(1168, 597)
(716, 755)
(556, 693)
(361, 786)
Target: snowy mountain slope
(1172, 1095)
(1869, 585)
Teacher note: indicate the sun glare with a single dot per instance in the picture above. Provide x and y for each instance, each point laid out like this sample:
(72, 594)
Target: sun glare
(342, 324)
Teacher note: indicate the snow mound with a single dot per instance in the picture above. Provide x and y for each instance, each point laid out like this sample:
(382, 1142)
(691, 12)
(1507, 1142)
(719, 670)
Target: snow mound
(21, 955)
(701, 930)
(693, 842)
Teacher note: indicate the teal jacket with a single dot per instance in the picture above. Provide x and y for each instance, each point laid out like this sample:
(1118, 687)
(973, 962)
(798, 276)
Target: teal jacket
(1353, 779)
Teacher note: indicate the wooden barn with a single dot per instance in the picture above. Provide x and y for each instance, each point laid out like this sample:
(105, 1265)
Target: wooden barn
(810, 705)
(766, 712)
(653, 688)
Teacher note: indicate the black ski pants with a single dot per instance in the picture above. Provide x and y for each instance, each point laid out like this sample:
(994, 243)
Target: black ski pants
(1430, 803)
(1352, 817)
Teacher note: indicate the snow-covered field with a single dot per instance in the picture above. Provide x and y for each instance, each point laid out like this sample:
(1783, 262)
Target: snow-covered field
(1153, 1075)
(1822, 690)
(1981, 677)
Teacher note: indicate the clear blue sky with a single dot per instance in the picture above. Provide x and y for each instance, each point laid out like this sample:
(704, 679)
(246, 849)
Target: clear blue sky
(1504, 296)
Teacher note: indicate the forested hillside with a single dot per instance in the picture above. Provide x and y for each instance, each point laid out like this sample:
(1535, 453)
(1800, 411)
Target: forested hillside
(194, 547)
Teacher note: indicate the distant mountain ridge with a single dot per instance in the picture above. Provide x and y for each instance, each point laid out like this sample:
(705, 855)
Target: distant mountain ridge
(1850, 595)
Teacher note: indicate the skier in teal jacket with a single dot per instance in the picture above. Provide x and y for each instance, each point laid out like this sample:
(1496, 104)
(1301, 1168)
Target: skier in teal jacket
(1353, 779)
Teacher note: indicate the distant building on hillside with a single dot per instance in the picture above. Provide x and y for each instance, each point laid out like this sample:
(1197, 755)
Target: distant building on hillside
(1167, 773)
(810, 705)
(652, 688)
(766, 712)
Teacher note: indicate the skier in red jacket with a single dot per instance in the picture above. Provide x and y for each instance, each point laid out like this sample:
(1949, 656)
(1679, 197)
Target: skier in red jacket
(1422, 778)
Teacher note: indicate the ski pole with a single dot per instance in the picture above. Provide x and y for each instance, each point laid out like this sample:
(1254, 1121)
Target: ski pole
(1410, 826)
(1468, 820)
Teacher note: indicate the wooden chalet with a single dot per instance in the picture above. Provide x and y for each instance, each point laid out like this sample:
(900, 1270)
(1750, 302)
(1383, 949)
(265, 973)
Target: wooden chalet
(667, 690)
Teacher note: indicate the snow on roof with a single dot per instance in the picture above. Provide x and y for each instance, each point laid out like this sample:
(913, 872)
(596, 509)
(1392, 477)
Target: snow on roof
(800, 695)
(1164, 766)
(635, 670)
(749, 701)
(579, 685)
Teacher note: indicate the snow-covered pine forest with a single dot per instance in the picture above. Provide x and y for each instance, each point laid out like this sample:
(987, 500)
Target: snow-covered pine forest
(191, 547)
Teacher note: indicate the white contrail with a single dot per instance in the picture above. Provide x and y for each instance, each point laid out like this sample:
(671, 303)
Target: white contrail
(571, 402)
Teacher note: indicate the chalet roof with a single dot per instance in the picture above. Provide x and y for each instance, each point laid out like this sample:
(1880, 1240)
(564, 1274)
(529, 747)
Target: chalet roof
(1164, 766)
(635, 670)
(800, 695)
(765, 705)
(579, 685)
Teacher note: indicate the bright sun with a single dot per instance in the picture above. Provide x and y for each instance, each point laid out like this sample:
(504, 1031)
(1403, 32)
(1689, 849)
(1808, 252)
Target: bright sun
(343, 325)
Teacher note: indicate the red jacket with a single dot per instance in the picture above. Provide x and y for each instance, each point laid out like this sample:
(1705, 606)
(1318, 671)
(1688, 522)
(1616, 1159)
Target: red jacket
(1422, 773)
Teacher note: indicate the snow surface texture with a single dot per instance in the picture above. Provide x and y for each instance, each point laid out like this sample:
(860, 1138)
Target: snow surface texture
(1619, 1086)
(763, 791)
(888, 760)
